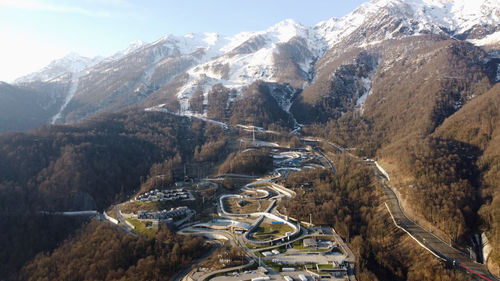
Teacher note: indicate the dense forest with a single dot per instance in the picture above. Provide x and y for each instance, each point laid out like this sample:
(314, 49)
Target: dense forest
(249, 161)
(444, 169)
(432, 123)
(351, 202)
(100, 251)
(478, 125)
(88, 166)
(101, 160)
(25, 235)
(258, 107)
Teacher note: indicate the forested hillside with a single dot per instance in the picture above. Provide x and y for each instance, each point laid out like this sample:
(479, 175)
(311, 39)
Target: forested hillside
(352, 202)
(87, 166)
(102, 159)
(28, 105)
(478, 125)
(103, 252)
(25, 235)
(431, 119)
(413, 84)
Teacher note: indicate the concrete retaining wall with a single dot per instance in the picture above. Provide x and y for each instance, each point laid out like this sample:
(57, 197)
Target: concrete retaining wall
(486, 247)
(75, 213)
(129, 216)
(295, 220)
(129, 224)
(382, 171)
(113, 220)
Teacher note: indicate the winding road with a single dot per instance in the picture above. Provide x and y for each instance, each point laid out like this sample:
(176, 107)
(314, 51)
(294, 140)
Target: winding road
(424, 238)
(437, 247)
(432, 243)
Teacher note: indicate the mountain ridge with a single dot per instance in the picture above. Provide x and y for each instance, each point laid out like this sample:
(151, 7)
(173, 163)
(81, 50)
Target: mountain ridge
(287, 53)
(410, 83)
(438, 16)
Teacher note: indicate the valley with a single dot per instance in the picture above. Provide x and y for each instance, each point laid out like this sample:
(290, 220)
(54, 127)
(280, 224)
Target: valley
(365, 147)
(250, 219)
(258, 238)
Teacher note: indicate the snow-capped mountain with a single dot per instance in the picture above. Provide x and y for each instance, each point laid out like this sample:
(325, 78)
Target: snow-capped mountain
(74, 63)
(379, 20)
(288, 51)
(71, 63)
(131, 47)
(284, 52)
(173, 69)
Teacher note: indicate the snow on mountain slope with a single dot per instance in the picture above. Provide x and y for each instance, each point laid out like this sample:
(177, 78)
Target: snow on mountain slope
(71, 92)
(284, 53)
(461, 18)
(131, 48)
(366, 87)
(257, 57)
(72, 63)
(458, 16)
(211, 44)
(491, 39)
(252, 56)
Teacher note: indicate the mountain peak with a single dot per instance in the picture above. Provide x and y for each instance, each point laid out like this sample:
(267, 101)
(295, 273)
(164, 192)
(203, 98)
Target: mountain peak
(288, 22)
(135, 45)
(70, 63)
(287, 29)
(462, 19)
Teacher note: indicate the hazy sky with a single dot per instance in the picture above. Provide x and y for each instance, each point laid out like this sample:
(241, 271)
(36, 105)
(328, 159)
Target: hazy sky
(34, 32)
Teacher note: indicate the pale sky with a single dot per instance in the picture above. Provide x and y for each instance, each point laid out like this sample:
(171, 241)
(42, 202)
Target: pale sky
(35, 32)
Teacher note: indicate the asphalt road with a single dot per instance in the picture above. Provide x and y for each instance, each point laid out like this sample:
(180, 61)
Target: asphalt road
(433, 243)
(119, 216)
(121, 219)
(438, 247)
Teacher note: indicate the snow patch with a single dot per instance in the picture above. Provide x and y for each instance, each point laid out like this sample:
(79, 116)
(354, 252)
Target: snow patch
(491, 39)
(71, 93)
(457, 105)
(283, 95)
(367, 86)
(367, 82)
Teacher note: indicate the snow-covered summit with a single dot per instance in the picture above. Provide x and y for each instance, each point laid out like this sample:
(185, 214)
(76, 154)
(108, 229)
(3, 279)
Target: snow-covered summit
(287, 52)
(285, 30)
(71, 63)
(130, 48)
(457, 16)
(250, 56)
(464, 19)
